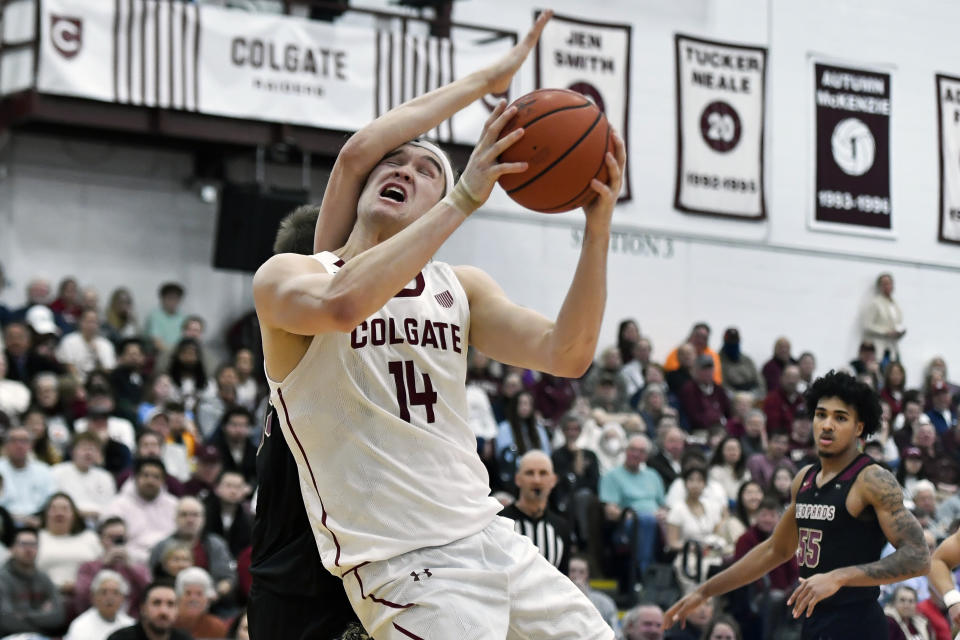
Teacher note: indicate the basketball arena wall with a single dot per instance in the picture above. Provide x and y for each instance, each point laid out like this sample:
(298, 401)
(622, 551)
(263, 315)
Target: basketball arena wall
(114, 214)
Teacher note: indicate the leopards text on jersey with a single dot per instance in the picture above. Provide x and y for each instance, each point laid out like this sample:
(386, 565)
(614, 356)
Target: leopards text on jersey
(377, 421)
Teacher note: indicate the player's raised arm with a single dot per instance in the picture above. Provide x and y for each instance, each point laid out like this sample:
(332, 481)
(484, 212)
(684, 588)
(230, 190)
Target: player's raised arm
(294, 293)
(411, 119)
(769, 554)
(521, 337)
(944, 559)
(880, 490)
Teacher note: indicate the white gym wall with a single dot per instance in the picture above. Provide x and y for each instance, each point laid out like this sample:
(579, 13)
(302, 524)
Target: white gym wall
(114, 215)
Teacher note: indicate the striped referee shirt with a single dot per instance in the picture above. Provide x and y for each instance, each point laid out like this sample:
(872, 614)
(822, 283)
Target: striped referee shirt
(550, 533)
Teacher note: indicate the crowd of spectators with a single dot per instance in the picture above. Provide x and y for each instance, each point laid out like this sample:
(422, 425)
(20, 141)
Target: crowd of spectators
(668, 470)
(127, 472)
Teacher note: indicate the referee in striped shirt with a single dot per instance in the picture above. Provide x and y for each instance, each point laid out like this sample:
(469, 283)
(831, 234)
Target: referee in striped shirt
(549, 531)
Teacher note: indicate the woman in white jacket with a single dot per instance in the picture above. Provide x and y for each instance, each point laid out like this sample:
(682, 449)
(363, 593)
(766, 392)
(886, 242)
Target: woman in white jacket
(883, 321)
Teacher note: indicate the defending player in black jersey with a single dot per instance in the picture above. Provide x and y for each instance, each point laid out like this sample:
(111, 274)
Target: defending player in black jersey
(293, 597)
(844, 508)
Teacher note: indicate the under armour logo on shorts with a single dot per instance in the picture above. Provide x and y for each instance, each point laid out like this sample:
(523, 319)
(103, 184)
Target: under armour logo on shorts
(416, 575)
(445, 299)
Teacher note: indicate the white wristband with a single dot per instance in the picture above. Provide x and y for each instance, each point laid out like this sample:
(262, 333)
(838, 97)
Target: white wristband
(951, 598)
(461, 199)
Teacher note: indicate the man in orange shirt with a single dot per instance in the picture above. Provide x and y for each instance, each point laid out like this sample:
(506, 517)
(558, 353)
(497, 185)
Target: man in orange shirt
(699, 338)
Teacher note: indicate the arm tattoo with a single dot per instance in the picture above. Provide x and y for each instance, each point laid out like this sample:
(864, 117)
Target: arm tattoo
(912, 556)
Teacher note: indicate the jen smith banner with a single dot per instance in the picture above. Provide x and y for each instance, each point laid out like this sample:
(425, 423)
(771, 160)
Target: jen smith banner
(592, 58)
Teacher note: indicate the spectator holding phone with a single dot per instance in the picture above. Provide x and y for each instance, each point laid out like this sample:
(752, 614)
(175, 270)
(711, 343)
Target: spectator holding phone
(113, 538)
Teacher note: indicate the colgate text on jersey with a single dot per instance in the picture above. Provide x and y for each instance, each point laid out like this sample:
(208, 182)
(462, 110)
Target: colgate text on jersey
(415, 331)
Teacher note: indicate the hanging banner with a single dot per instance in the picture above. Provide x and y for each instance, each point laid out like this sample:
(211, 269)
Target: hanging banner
(852, 134)
(948, 121)
(205, 59)
(720, 123)
(592, 58)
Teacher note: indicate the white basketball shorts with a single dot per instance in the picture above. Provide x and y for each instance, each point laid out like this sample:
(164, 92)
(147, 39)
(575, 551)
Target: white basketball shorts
(493, 585)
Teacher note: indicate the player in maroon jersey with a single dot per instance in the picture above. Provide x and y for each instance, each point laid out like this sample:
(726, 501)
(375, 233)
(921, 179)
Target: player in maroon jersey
(844, 509)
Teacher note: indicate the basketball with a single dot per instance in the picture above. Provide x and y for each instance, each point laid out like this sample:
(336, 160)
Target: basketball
(565, 140)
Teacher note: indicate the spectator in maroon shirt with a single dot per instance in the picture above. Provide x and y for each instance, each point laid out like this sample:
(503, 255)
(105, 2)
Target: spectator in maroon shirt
(894, 387)
(773, 368)
(801, 440)
(480, 371)
(808, 364)
(905, 423)
(931, 450)
(209, 467)
(765, 521)
(67, 303)
(113, 539)
(740, 407)
(935, 372)
(866, 364)
(903, 619)
(779, 582)
(754, 438)
(686, 359)
(553, 397)
(704, 402)
(762, 465)
(784, 401)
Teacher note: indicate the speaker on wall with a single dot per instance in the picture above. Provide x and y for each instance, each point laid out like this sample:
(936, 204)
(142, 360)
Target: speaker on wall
(247, 222)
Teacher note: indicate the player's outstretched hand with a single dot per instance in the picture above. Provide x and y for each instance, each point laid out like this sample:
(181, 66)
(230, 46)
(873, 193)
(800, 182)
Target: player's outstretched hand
(811, 591)
(607, 194)
(682, 608)
(501, 72)
(484, 168)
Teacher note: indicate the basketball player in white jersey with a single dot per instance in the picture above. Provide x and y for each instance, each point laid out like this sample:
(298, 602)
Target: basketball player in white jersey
(365, 352)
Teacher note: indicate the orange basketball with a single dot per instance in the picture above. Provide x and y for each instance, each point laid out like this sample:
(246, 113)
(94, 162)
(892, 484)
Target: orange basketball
(565, 140)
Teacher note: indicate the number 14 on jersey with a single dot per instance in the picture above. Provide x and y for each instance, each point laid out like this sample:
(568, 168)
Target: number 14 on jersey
(405, 377)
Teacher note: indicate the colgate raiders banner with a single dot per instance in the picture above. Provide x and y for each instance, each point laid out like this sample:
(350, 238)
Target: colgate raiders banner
(592, 58)
(205, 59)
(720, 124)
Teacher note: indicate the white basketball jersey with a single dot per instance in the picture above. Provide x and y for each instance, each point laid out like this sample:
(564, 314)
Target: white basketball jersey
(377, 421)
